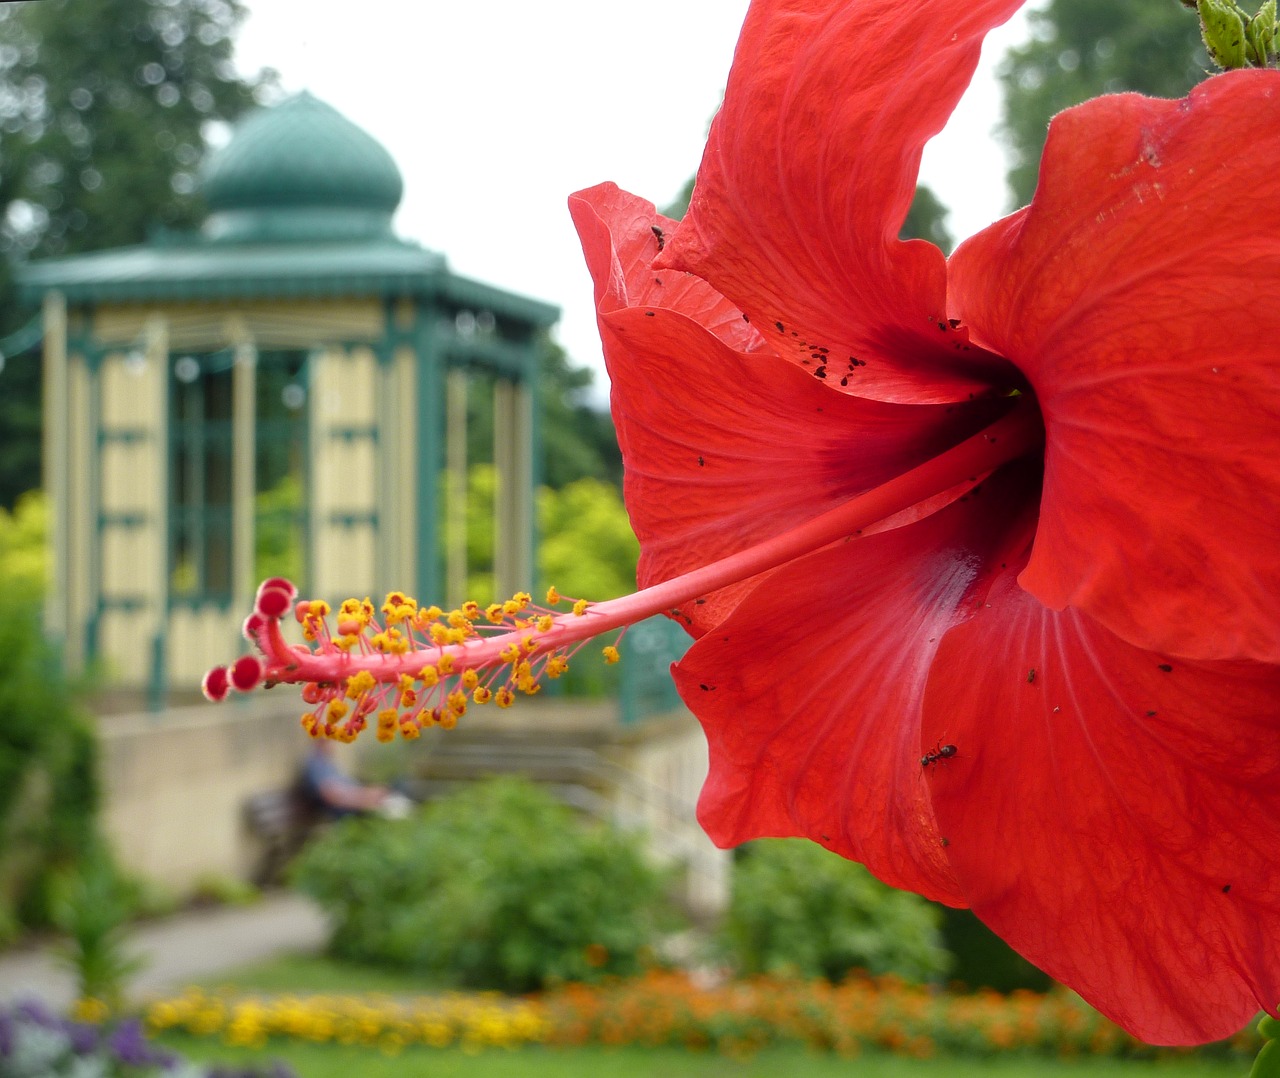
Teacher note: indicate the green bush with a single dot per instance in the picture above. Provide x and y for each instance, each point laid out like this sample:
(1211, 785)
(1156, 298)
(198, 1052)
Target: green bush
(800, 910)
(48, 785)
(498, 886)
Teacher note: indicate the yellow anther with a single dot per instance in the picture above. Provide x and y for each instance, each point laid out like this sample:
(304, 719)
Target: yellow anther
(398, 607)
(493, 612)
(432, 612)
(408, 698)
(309, 723)
(409, 729)
(439, 634)
(611, 654)
(529, 686)
(347, 641)
(471, 610)
(448, 720)
(470, 679)
(580, 607)
(510, 654)
(445, 664)
(337, 710)
(523, 669)
(385, 733)
(360, 683)
(523, 598)
(504, 697)
(457, 636)
(529, 643)
(481, 695)
(457, 700)
(553, 596)
(387, 717)
(429, 676)
(458, 619)
(390, 641)
(545, 622)
(511, 607)
(318, 608)
(557, 665)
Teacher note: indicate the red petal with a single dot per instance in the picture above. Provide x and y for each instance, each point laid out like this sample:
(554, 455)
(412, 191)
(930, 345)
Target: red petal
(1114, 816)
(808, 174)
(620, 244)
(724, 449)
(810, 691)
(1144, 314)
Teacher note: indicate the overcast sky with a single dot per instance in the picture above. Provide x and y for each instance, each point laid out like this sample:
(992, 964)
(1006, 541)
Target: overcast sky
(496, 110)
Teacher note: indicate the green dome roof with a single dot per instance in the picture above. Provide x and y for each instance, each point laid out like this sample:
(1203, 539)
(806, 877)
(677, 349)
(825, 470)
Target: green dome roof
(300, 170)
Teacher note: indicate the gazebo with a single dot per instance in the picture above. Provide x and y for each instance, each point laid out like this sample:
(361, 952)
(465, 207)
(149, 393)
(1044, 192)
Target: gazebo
(284, 392)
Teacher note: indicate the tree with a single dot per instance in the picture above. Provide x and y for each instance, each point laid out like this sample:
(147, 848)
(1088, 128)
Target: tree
(1082, 48)
(105, 106)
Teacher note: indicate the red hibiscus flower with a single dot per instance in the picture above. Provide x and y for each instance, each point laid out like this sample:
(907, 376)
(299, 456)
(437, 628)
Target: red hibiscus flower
(979, 554)
(1049, 693)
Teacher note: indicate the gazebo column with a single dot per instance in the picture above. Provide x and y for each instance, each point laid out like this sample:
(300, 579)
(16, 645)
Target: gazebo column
(155, 574)
(513, 511)
(57, 475)
(428, 443)
(243, 459)
(455, 509)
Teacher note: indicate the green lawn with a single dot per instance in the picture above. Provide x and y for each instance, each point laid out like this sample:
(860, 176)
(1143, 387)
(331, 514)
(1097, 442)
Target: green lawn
(325, 1061)
(316, 974)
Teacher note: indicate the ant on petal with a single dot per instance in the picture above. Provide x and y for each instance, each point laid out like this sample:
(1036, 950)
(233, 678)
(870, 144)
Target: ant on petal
(939, 752)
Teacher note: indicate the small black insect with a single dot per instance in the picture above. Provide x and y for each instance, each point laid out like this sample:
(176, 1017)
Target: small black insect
(660, 236)
(941, 752)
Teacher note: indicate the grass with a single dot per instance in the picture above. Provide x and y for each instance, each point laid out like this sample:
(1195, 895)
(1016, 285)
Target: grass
(316, 974)
(335, 1061)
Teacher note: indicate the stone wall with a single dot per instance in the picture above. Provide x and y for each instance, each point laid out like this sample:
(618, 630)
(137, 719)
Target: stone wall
(175, 782)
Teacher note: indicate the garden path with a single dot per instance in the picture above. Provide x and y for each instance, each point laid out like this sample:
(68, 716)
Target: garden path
(180, 949)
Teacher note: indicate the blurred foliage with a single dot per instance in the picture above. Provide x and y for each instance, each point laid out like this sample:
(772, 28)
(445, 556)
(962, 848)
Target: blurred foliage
(984, 960)
(498, 886)
(927, 220)
(94, 907)
(578, 440)
(799, 910)
(277, 535)
(1082, 48)
(105, 106)
(586, 546)
(48, 782)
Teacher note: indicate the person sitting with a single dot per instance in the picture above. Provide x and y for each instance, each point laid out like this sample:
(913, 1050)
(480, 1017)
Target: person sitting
(337, 794)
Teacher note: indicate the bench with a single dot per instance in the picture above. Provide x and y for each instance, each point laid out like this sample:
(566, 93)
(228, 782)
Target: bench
(282, 820)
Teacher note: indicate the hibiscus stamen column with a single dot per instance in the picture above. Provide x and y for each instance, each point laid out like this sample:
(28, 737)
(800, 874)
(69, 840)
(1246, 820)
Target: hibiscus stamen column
(421, 667)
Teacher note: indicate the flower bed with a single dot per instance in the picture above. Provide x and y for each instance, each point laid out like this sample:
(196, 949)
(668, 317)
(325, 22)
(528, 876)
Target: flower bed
(669, 1009)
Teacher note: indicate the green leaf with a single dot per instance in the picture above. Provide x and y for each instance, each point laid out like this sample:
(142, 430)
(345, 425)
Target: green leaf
(1267, 1065)
(1222, 25)
(1260, 35)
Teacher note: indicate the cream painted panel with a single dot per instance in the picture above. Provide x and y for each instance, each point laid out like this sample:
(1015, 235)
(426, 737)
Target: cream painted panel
(131, 478)
(294, 324)
(345, 563)
(199, 638)
(127, 555)
(124, 637)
